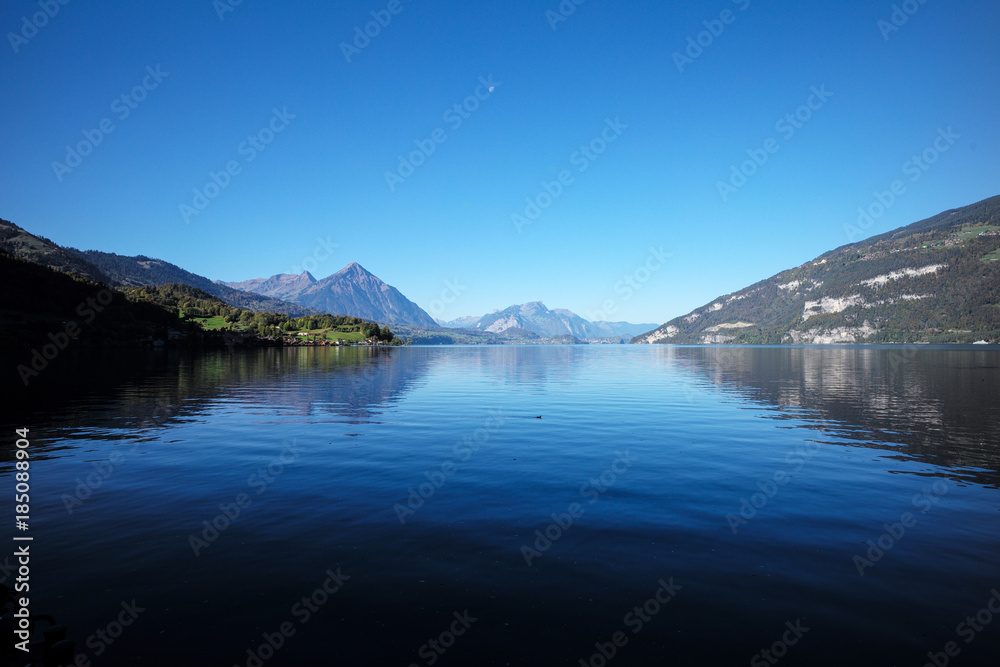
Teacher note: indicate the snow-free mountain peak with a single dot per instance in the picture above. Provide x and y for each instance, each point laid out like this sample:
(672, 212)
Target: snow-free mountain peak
(535, 317)
(353, 291)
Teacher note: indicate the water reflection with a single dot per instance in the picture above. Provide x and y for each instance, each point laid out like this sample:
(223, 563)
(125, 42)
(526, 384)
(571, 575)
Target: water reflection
(939, 406)
(133, 393)
(706, 427)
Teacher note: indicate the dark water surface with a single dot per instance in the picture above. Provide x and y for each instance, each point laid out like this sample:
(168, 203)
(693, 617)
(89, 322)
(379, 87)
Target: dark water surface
(748, 489)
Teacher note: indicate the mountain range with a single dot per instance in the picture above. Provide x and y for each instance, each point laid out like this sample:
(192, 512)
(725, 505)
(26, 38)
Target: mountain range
(351, 291)
(537, 318)
(120, 271)
(934, 281)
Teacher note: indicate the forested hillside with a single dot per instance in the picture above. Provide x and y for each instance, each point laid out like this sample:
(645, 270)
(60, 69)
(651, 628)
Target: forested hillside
(935, 281)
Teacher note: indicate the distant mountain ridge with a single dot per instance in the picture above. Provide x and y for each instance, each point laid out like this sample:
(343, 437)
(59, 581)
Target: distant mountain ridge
(465, 322)
(120, 271)
(933, 281)
(280, 286)
(535, 317)
(351, 291)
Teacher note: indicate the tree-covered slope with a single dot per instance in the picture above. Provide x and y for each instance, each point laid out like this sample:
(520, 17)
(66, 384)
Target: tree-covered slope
(40, 306)
(141, 271)
(937, 280)
(120, 271)
(41, 250)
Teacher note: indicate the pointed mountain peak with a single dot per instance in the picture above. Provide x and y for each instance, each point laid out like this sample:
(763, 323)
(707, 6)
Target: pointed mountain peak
(307, 276)
(354, 269)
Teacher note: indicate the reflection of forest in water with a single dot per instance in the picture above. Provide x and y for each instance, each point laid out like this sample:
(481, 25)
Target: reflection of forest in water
(142, 388)
(136, 390)
(936, 405)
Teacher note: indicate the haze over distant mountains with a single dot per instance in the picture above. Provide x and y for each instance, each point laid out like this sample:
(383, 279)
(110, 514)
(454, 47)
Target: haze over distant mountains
(934, 281)
(351, 291)
(537, 318)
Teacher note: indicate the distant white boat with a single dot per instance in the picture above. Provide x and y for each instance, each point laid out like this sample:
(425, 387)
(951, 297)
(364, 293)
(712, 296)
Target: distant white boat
(981, 342)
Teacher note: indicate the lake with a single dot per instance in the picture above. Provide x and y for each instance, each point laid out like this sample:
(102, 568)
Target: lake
(626, 505)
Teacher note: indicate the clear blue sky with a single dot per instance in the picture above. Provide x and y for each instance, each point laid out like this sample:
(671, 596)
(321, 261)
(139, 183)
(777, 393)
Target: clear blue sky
(323, 174)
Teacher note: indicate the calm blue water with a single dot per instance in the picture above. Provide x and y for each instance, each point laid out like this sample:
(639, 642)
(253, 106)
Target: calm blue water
(745, 488)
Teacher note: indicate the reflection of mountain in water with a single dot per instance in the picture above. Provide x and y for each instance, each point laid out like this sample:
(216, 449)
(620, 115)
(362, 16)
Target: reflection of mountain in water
(531, 367)
(353, 384)
(132, 390)
(939, 406)
(129, 392)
